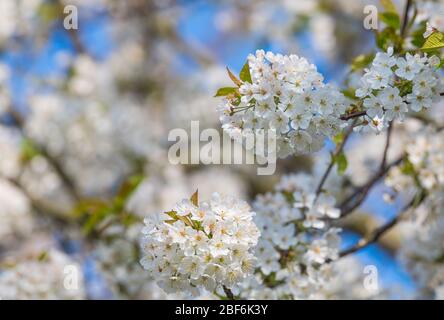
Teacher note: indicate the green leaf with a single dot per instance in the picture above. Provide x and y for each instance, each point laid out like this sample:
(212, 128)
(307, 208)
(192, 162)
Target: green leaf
(386, 38)
(408, 169)
(337, 139)
(172, 214)
(234, 78)
(362, 61)
(28, 149)
(125, 191)
(435, 41)
(101, 213)
(389, 6)
(245, 75)
(418, 35)
(48, 12)
(43, 256)
(341, 162)
(225, 91)
(185, 220)
(349, 93)
(289, 196)
(95, 218)
(391, 19)
(195, 198)
(405, 87)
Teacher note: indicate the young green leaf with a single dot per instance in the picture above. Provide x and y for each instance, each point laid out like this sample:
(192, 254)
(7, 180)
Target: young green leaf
(417, 35)
(225, 91)
(29, 150)
(195, 198)
(43, 256)
(349, 93)
(389, 6)
(172, 214)
(407, 168)
(234, 78)
(362, 61)
(391, 19)
(341, 162)
(435, 41)
(245, 75)
(386, 38)
(337, 139)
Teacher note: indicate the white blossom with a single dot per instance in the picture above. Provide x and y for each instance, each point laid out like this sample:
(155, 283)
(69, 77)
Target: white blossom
(296, 241)
(393, 86)
(287, 94)
(200, 246)
(42, 277)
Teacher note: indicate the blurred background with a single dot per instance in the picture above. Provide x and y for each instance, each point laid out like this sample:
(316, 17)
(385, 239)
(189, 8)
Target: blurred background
(85, 116)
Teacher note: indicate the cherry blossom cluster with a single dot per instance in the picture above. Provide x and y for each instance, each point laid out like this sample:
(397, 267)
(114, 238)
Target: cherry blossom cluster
(117, 259)
(15, 212)
(425, 154)
(10, 150)
(200, 246)
(393, 86)
(422, 251)
(431, 13)
(296, 245)
(5, 95)
(287, 95)
(42, 277)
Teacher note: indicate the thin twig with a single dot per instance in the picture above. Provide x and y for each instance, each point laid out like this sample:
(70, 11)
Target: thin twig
(37, 205)
(18, 119)
(387, 146)
(358, 114)
(353, 115)
(360, 194)
(339, 149)
(405, 18)
(72, 33)
(228, 293)
(379, 232)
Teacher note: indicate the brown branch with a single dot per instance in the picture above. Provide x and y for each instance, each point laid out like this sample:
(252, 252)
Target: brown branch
(387, 146)
(58, 216)
(379, 232)
(18, 119)
(72, 33)
(360, 194)
(338, 150)
(228, 293)
(353, 115)
(405, 18)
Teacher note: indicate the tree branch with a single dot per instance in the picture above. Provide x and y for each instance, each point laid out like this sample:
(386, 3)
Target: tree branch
(72, 33)
(37, 205)
(339, 149)
(405, 18)
(228, 293)
(379, 232)
(353, 115)
(18, 119)
(360, 194)
(387, 146)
